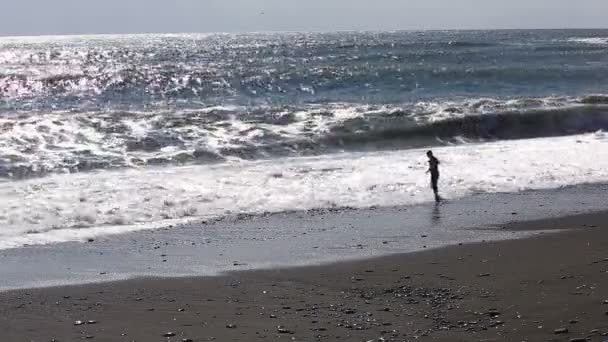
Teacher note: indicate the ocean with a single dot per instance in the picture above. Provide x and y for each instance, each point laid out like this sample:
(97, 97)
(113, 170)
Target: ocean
(110, 134)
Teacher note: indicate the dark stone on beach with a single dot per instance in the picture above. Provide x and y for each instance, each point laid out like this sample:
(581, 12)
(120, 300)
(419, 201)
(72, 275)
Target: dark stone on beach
(187, 340)
(169, 334)
(231, 326)
(560, 331)
(181, 310)
(91, 322)
(273, 316)
(482, 275)
(90, 240)
(89, 337)
(283, 330)
(349, 311)
(578, 339)
(573, 321)
(493, 313)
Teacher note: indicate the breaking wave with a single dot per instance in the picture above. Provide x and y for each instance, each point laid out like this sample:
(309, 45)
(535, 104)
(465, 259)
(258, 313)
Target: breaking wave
(65, 142)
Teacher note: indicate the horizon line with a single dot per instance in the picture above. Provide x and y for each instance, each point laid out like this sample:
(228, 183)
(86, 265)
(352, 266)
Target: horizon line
(100, 34)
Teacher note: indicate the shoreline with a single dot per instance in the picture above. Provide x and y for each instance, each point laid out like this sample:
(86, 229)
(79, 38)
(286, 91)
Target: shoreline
(88, 205)
(291, 239)
(525, 289)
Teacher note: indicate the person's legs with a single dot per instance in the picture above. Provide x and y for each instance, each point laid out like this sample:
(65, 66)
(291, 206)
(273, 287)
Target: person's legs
(434, 181)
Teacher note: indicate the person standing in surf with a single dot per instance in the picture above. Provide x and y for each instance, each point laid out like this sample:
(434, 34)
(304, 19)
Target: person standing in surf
(434, 170)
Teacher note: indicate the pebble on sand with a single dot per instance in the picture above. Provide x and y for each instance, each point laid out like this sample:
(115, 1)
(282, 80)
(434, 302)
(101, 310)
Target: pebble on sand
(283, 330)
(493, 313)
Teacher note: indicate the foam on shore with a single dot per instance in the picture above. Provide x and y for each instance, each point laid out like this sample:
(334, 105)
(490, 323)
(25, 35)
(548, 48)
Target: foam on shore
(80, 206)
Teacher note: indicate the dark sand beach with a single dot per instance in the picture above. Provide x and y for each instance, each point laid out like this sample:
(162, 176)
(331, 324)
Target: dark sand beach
(550, 287)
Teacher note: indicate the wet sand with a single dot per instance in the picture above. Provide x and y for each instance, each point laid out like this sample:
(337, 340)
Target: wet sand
(289, 239)
(551, 287)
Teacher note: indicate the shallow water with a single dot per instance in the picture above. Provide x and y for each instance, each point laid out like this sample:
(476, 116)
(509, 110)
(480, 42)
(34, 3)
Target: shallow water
(291, 239)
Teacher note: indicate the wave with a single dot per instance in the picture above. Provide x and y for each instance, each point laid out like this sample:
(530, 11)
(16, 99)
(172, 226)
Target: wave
(592, 41)
(594, 99)
(172, 82)
(470, 44)
(498, 126)
(87, 205)
(34, 144)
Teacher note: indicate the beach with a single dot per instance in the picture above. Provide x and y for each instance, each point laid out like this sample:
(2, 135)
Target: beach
(272, 186)
(549, 287)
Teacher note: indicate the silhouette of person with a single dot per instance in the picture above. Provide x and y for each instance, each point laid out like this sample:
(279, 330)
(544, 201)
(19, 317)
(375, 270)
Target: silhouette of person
(434, 170)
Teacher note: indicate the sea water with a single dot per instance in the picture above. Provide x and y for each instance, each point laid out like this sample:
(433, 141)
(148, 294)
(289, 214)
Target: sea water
(109, 134)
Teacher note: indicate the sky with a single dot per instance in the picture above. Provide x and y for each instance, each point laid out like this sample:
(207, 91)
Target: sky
(47, 17)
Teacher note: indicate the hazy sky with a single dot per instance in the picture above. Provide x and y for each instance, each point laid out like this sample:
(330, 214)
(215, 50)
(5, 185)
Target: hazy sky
(31, 17)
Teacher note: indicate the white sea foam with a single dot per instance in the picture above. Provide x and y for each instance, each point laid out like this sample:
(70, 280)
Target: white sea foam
(64, 141)
(79, 206)
(594, 41)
